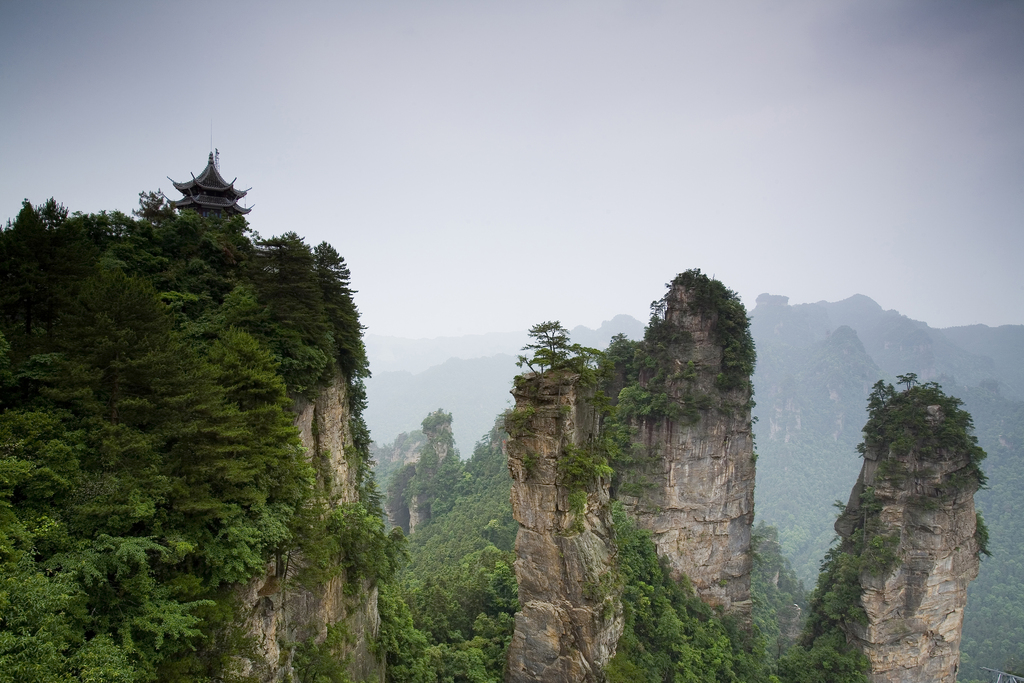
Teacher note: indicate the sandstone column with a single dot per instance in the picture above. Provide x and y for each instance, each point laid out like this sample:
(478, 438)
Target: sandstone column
(912, 523)
(570, 617)
(691, 483)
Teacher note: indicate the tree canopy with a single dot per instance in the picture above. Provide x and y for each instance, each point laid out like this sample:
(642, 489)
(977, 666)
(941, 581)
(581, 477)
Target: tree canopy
(148, 457)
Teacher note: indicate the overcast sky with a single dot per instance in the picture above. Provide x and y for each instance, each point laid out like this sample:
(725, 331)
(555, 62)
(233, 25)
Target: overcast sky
(484, 166)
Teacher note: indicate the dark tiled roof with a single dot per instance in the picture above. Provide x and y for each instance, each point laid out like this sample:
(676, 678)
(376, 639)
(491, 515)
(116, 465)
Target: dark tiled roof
(206, 201)
(209, 179)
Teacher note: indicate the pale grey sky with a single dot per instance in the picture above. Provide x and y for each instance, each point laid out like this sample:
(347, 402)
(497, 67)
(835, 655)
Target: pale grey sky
(487, 165)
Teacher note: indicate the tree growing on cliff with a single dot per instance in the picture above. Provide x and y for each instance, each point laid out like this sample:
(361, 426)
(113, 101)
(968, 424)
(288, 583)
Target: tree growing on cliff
(552, 350)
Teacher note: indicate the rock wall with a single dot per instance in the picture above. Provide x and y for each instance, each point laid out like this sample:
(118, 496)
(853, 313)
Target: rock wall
(692, 483)
(406, 509)
(923, 501)
(571, 615)
(405, 449)
(279, 611)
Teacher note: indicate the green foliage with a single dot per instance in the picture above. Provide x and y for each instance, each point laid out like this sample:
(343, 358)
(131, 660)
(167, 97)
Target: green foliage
(41, 631)
(287, 283)
(901, 421)
(828, 660)
(553, 351)
(399, 644)
(981, 535)
(452, 615)
(334, 280)
(636, 403)
(823, 654)
(323, 662)
(731, 329)
(43, 258)
(670, 634)
(778, 595)
(148, 458)
(579, 468)
(360, 546)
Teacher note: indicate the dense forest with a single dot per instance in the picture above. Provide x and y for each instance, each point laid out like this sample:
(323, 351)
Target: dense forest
(150, 463)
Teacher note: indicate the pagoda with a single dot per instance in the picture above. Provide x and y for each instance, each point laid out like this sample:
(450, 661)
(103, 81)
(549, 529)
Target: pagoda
(208, 194)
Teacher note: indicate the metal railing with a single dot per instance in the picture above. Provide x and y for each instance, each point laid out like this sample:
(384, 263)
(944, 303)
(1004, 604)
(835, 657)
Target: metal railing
(1004, 677)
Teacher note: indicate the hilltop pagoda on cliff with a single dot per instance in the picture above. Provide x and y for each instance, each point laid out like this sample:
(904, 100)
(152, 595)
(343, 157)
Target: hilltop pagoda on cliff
(209, 194)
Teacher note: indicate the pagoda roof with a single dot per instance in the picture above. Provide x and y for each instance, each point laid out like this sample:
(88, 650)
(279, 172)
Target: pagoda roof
(210, 179)
(206, 201)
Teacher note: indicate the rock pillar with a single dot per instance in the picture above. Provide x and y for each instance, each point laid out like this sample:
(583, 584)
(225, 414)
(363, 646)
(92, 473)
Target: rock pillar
(569, 587)
(912, 516)
(691, 483)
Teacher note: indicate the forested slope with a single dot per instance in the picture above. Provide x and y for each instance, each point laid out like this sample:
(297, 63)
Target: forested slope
(149, 463)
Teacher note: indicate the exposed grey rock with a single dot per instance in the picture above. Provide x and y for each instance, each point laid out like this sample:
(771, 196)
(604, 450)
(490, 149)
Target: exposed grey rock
(694, 489)
(279, 611)
(569, 588)
(915, 609)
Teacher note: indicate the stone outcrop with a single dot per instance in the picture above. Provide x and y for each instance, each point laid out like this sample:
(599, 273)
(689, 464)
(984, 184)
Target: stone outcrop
(570, 618)
(412, 489)
(914, 510)
(279, 611)
(404, 450)
(691, 483)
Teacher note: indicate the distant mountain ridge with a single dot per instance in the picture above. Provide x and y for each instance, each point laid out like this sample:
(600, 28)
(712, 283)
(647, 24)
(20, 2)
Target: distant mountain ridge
(897, 343)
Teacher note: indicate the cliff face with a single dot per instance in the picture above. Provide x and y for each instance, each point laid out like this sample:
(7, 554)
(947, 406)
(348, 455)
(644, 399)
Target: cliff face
(912, 514)
(571, 616)
(691, 480)
(281, 611)
(413, 488)
(404, 450)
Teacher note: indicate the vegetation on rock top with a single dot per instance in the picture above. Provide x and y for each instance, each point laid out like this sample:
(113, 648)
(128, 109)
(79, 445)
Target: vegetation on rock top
(923, 420)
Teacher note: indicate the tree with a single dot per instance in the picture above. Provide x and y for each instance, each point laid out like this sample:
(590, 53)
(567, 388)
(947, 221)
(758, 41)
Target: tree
(553, 351)
(287, 283)
(908, 380)
(43, 257)
(334, 278)
(154, 207)
(550, 347)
